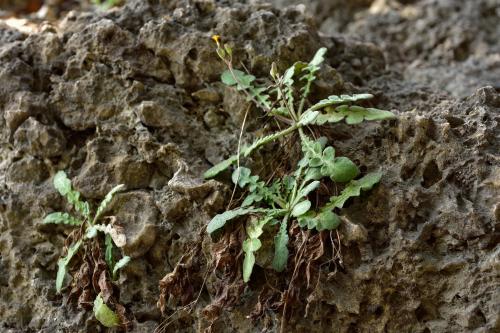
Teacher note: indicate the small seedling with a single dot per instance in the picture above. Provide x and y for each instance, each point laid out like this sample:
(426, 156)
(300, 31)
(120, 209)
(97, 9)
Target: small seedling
(90, 228)
(286, 200)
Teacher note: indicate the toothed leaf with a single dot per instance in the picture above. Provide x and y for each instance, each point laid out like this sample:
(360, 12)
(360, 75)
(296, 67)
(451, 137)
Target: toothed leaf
(220, 220)
(119, 265)
(280, 248)
(219, 167)
(107, 199)
(63, 263)
(354, 189)
(61, 218)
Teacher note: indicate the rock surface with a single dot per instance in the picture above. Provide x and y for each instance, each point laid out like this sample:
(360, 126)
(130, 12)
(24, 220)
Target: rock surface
(133, 96)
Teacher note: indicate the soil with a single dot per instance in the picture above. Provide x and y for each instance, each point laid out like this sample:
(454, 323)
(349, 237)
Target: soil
(132, 96)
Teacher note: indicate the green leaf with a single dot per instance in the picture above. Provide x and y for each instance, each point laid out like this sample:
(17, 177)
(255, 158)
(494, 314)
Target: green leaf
(301, 208)
(62, 183)
(308, 117)
(248, 264)
(352, 115)
(354, 189)
(313, 151)
(289, 183)
(104, 314)
(342, 99)
(220, 220)
(377, 114)
(319, 57)
(59, 217)
(250, 246)
(313, 174)
(119, 265)
(219, 167)
(295, 69)
(117, 234)
(323, 118)
(341, 170)
(240, 78)
(107, 199)
(308, 189)
(241, 176)
(255, 227)
(108, 254)
(63, 263)
(227, 78)
(280, 247)
(250, 199)
(324, 220)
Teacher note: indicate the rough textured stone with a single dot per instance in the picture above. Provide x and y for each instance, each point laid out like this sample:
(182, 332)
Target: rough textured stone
(132, 96)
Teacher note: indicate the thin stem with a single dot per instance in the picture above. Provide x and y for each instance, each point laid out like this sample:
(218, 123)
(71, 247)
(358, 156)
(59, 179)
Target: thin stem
(288, 106)
(270, 138)
(239, 154)
(231, 70)
(307, 89)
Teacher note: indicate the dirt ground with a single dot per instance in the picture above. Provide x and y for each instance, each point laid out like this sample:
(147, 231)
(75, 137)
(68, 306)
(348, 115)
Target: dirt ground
(132, 96)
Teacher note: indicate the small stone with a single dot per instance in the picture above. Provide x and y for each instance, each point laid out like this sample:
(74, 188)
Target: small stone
(352, 232)
(356, 63)
(207, 94)
(212, 119)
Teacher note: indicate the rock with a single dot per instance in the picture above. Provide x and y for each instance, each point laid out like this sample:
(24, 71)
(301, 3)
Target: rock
(207, 94)
(154, 115)
(132, 95)
(212, 119)
(28, 170)
(40, 140)
(136, 212)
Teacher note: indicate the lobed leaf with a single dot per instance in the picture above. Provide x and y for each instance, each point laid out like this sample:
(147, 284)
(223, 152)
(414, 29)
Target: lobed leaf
(108, 253)
(63, 263)
(280, 247)
(220, 220)
(240, 78)
(292, 71)
(59, 217)
(352, 115)
(115, 232)
(241, 176)
(107, 199)
(119, 265)
(342, 99)
(308, 117)
(104, 314)
(324, 220)
(62, 183)
(319, 57)
(63, 186)
(354, 189)
(219, 167)
(308, 189)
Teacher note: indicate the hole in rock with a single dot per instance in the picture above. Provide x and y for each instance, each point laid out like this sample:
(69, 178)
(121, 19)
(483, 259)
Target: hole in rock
(431, 175)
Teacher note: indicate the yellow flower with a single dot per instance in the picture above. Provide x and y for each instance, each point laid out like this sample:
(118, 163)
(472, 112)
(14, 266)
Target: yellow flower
(216, 39)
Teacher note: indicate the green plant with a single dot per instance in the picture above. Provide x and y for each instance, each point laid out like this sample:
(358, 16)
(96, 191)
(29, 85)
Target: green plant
(106, 4)
(286, 200)
(88, 229)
